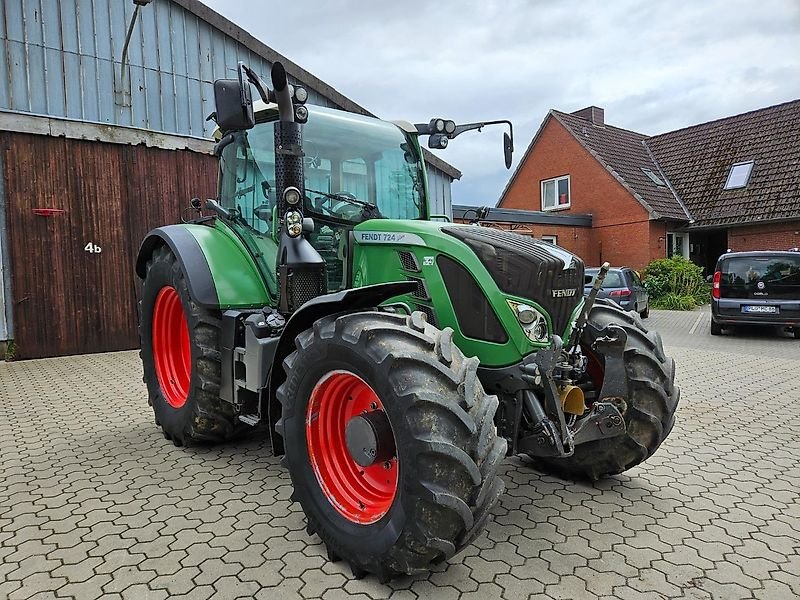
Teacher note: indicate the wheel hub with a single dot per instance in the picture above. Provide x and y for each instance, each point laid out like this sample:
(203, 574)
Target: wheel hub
(351, 447)
(369, 438)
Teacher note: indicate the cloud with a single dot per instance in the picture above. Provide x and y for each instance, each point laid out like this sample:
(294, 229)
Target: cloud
(653, 66)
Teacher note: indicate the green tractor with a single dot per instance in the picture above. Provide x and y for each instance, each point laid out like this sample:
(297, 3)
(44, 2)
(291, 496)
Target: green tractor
(394, 358)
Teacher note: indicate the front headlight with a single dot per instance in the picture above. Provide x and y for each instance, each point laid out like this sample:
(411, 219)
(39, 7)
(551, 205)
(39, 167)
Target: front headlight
(533, 322)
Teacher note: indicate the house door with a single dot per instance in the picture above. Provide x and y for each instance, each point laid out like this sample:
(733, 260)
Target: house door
(678, 244)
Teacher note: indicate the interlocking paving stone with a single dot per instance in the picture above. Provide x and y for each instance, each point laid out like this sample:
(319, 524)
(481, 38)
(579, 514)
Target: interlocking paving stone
(95, 503)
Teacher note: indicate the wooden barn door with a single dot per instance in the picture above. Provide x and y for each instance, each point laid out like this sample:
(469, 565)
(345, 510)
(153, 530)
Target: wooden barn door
(77, 212)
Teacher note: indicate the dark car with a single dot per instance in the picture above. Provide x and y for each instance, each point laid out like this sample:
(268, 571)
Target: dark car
(757, 288)
(622, 285)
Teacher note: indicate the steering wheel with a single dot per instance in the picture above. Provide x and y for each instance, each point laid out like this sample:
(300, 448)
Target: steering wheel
(342, 205)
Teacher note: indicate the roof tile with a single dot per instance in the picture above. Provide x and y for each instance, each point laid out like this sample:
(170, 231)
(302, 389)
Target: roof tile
(624, 152)
(697, 161)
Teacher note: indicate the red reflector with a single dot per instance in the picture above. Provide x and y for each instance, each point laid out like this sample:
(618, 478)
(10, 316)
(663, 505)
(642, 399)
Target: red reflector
(715, 291)
(48, 212)
(620, 293)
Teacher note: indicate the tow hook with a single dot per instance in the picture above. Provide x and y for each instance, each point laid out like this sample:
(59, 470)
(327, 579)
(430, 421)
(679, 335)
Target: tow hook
(604, 421)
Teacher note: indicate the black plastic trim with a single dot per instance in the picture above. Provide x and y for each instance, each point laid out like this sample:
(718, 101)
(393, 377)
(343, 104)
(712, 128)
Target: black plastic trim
(476, 316)
(190, 257)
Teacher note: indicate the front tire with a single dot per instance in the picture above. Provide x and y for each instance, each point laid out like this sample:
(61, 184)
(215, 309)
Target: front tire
(431, 494)
(649, 410)
(180, 355)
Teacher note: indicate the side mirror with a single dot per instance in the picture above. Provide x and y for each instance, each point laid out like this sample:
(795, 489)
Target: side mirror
(234, 104)
(508, 149)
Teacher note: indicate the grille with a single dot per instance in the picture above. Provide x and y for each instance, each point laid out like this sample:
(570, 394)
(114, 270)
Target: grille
(409, 261)
(528, 268)
(305, 285)
(475, 315)
(422, 290)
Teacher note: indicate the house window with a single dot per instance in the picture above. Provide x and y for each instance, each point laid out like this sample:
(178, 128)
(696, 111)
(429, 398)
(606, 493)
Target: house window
(653, 177)
(550, 239)
(555, 193)
(739, 175)
(677, 245)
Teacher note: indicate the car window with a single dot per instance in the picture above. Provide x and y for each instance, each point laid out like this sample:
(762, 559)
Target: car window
(614, 279)
(760, 276)
(635, 277)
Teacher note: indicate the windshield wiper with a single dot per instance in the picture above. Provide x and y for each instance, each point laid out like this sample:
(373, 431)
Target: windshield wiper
(370, 211)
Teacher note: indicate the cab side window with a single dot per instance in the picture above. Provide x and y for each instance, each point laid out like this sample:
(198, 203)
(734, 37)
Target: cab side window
(247, 184)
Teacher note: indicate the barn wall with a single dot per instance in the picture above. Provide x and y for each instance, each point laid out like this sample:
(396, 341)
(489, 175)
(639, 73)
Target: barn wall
(67, 299)
(63, 58)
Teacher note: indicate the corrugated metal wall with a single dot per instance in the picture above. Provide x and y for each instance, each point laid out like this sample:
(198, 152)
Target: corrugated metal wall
(66, 58)
(63, 58)
(439, 192)
(70, 300)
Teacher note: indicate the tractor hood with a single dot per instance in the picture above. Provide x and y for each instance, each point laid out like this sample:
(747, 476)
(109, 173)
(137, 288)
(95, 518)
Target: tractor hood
(474, 279)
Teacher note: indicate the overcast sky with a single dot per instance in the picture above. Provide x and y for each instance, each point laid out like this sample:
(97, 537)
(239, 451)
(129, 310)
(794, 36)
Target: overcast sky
(654, 66)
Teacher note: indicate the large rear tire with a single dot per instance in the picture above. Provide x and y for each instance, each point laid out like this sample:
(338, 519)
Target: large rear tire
(649, 411)
(432, 493)
(181, 358)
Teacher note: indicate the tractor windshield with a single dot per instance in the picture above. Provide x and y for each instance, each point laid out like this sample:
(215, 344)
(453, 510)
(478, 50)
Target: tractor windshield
(355, 168)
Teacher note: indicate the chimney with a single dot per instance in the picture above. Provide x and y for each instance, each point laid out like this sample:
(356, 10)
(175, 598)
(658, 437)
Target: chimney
(595, 114)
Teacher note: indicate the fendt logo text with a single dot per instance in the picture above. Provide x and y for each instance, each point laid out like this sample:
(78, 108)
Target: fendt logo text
(563, 293)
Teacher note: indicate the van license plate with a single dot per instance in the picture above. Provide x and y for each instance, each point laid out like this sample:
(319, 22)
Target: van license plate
(760, 309)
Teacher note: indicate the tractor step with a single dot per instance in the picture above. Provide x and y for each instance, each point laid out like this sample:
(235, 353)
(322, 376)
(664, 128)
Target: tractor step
(251, 420)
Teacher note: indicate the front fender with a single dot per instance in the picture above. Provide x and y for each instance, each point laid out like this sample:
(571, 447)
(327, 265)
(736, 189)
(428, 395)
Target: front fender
(352, 300)
(219, 271)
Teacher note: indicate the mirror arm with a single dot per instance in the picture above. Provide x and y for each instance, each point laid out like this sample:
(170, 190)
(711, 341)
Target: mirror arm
(424, 128)
(266, 94)
(470, 126)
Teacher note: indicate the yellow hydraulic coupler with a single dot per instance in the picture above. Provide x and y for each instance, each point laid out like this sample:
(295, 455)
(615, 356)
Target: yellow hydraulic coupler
(572, 400)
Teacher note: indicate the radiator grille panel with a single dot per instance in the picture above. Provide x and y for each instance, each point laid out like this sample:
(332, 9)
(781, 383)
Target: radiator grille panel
(528, 268)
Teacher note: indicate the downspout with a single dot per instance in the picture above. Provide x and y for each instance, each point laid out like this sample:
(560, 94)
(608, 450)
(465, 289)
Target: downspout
(123, 69)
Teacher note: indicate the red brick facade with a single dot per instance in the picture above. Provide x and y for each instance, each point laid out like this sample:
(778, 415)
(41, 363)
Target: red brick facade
(765, 237)
(621, 233)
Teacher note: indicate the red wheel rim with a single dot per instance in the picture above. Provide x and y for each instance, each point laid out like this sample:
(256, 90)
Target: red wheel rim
(171, 347)
(362, 495)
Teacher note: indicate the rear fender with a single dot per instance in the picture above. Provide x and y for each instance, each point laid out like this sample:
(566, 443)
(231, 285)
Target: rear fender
(352, 300)
(220, 273)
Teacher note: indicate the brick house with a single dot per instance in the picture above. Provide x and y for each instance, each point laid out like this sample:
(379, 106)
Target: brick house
(733, 183)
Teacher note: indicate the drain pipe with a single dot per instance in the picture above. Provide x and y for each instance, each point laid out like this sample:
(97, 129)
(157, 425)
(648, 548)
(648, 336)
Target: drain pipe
(123, 75)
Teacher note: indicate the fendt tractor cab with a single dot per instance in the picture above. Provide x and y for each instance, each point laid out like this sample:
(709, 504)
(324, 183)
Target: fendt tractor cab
(394, 358)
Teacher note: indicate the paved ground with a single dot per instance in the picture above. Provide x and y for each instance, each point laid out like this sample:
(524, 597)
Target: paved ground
(95, 503)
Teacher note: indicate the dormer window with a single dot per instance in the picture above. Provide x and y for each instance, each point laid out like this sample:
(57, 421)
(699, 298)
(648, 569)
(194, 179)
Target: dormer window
(739, 175)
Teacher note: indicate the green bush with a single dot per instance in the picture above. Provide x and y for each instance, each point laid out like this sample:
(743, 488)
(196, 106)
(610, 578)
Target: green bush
(675, 284)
